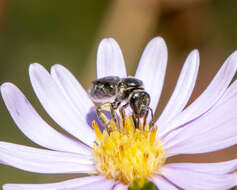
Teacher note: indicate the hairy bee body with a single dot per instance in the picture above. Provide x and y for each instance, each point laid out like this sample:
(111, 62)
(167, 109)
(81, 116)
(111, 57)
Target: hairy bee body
(113, 90)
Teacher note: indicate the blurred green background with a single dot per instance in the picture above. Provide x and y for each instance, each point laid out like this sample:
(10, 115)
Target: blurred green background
(68, 33)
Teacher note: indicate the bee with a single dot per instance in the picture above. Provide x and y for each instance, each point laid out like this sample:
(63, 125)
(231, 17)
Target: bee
(112, 91)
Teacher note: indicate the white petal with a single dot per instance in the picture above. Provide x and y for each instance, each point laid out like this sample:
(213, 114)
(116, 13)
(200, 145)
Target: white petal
(110, 61)
(183, 89)
(209, 168)
(74, 92)
(33, 126)
(230, 93)
(152, 67)
(105, 184)
(55, 186)
(120, 186)
(162, 184)
(208, 98)
(57, 106)
(44, 161)
(213, 131)
(189, 179)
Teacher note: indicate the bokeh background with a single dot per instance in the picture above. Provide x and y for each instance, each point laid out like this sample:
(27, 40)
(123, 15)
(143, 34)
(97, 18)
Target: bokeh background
(68, 33)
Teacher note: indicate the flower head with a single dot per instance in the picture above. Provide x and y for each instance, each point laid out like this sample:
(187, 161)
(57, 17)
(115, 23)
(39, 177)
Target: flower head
(125, 154)
(128, 154)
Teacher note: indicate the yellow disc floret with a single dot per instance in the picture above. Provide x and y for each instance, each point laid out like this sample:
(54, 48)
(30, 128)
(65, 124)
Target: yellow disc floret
(128, 154)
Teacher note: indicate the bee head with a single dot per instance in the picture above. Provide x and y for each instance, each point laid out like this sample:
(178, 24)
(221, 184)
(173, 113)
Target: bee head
(139, 102)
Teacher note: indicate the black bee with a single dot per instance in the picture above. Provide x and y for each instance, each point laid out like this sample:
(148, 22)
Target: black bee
(111, 91)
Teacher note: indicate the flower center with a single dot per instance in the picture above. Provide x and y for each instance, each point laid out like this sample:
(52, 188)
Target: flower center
(128, 154)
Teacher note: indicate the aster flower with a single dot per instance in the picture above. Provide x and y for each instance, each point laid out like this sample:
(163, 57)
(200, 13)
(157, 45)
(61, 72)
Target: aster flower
(127, 154)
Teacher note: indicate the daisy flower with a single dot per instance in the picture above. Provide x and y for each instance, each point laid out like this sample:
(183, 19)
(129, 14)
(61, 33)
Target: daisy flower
(114, 160)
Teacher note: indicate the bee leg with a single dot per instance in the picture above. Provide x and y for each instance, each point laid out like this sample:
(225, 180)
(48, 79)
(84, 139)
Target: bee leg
(145, 119)
(152, 118)
(100, 111)
(113, 107)
(122, 112)
(135, 121)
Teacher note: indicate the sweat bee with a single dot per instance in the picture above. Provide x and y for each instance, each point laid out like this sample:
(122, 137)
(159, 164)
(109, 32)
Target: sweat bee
(111, 91)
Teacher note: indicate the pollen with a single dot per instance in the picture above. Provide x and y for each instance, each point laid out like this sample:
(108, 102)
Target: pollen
(128, 154)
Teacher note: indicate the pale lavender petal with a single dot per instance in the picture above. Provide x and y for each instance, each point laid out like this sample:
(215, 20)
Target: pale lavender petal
(213, 131)
(55, 186)
(162, 184)
(230, 93)
(106, 184)
(209, 168)
(33, 126)
(44, 161)
(110, 61)
(183, 89)
(152, 67)
(74, 92)
(57, 106)
(189, 179)
(120, 186)
(208, 98)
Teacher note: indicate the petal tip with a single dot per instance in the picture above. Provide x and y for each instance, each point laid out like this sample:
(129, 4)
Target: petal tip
(5, 87)
(158, 40)
(59, 69)
(157, 43)
(195, 51)
(10, 187)
(110, 39)
(5, 187)
(195, 55)
(232, 59)
(36, 69)
(34, 66)
(56, 67)
(107, 43)
(234, 55)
